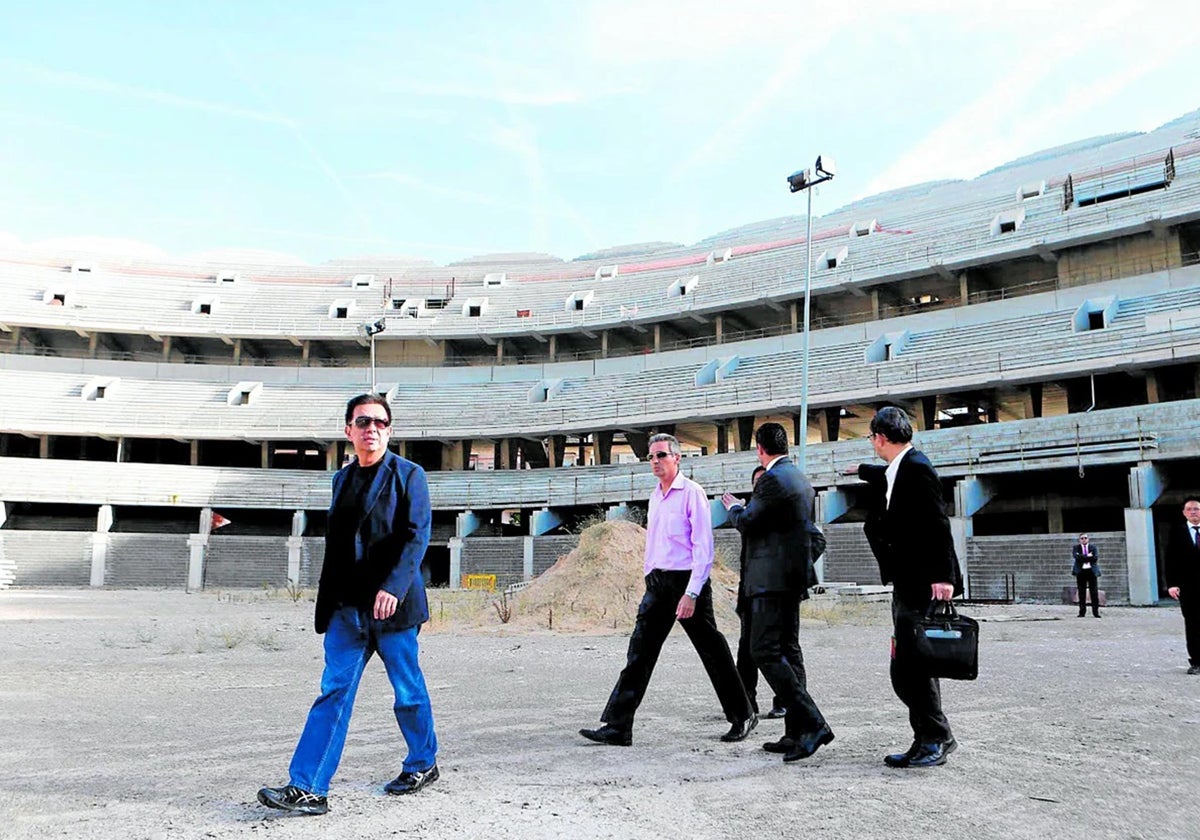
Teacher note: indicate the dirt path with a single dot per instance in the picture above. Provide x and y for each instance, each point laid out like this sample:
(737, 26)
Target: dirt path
(137, 714)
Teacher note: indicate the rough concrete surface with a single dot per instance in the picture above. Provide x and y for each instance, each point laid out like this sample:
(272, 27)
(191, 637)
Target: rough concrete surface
(155, 714)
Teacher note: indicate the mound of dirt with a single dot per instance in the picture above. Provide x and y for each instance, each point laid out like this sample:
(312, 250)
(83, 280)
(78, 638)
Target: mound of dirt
(599, 585)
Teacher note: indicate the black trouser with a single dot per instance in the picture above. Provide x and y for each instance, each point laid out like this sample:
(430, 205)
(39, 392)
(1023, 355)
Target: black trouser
(1085, 582)
(1189, 605)
(655, 618)
(746, 667)
(772, 621)
(922, 694)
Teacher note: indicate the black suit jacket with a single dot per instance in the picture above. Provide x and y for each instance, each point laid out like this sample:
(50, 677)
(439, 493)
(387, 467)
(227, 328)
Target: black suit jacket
(911, 537)
(1077, 559)
(392, 535)
(1183, 560)
(775, 542)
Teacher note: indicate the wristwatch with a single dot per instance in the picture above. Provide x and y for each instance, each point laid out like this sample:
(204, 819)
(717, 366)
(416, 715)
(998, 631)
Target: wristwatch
(692, 595)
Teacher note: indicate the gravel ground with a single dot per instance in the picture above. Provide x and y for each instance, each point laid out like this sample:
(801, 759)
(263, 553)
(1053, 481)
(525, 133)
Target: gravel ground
(154, 714)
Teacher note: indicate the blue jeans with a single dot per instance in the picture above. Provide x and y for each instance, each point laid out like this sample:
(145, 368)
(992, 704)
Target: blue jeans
(349, 642)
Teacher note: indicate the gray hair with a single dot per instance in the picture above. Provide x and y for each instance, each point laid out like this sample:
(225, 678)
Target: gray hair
(670, 439)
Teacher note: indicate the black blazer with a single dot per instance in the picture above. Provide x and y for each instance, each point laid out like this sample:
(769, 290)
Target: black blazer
(1183, 560)
(776, 557)
(1077, 558)
(392, 537)
(910, 538)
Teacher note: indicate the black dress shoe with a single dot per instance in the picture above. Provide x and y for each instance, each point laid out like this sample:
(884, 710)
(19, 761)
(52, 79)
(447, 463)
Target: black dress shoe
(776, 713)
(412, 781)
(783, 745)
(1195, 669)
(740, 729)
(608, 734)
(806, 745)
(929, 754)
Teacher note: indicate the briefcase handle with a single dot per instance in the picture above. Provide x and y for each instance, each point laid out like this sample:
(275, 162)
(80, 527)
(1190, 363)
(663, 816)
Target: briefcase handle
(941, 611)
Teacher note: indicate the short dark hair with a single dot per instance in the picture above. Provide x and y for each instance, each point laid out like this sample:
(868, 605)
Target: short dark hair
(1187, 499)
(772, 438)
(759, 470)
(893, 424)
(367, 399)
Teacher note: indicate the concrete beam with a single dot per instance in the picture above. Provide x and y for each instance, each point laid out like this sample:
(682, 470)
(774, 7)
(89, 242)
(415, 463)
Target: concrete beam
(465, 524)
(971, 494)
(1140, 556)
(543, 521)
(456, 546)
(1146, 484)
(832, 505)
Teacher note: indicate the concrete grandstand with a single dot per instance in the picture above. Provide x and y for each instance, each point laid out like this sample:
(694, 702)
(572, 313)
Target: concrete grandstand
(1041, 323)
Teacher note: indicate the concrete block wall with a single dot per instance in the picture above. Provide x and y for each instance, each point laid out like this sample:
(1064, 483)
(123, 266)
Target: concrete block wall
(547, 550)
(503, 557)
(312, 559)
(848, 557)
(146, 560)
(245, 562)
(48, 558)
(1041, 564)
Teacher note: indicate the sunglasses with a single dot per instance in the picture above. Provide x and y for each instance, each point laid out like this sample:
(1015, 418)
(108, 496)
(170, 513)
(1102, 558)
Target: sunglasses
(364, 422)
(658, 456)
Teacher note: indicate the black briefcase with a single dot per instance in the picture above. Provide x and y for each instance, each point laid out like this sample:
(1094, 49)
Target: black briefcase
(946, 643)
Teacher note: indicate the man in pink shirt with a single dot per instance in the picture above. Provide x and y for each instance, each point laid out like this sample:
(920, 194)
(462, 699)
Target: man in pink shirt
(679, 556)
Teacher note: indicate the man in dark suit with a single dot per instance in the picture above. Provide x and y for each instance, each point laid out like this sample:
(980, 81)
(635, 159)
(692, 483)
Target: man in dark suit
(910, 537)
(1085, 565)
(746, 667)
(777, 573)
(371, 599)
(1183, 576)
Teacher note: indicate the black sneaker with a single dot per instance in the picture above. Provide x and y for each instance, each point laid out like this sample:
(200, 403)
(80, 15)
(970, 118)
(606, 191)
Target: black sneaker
(408, 782)
(292, 798)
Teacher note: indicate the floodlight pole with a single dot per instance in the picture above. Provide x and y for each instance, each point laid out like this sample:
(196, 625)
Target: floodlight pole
(372, 361)
(806, 183)
(373, 329)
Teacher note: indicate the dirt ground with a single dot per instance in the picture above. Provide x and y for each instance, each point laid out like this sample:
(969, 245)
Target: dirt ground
(157, 714)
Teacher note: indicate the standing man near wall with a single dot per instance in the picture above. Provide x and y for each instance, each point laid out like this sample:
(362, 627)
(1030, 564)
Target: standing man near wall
(1085, 565)
(679, 557)
(1183, 576)
(778, 572)
(910, 536)
(371, 599)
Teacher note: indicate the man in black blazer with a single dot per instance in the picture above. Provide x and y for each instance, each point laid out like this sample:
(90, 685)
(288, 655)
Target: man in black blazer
(776, 575)
(909, 534)
(371, 599)
(1085, 565)
(1183, 576)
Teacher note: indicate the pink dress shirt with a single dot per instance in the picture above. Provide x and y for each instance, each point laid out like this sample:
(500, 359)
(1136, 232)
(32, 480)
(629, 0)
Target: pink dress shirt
(679, 533)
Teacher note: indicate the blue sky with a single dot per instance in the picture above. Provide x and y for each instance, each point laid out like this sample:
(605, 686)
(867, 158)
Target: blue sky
(340, 130)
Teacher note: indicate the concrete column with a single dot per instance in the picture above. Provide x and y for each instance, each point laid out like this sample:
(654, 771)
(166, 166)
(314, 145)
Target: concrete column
(722, 438)
(499, 351)
(1032, 399)
(237, 351)
(556, 450)
(603, 444)
(794, 314)
(1146, 484)
(305, 351)
(196, 545)
(527, 560)
(93, 344)
(166, 348)
(745, 433)
(964, 290)
(294, 546)
(204, 526)
(456, 548)
(553, 347)
(1054, 514)
(104, 521)
(719, 326)
(331, 457)
(194, 453)
(456, 455)
(542, 521)
(465, 524)
(830, 420)
(266, 454)
(1141, 553)
(604, 344)
(657, 337)
(875, 304)
(3, 513)
(962, 529)
(503, 455)
(1154, 389)
(43, 446)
